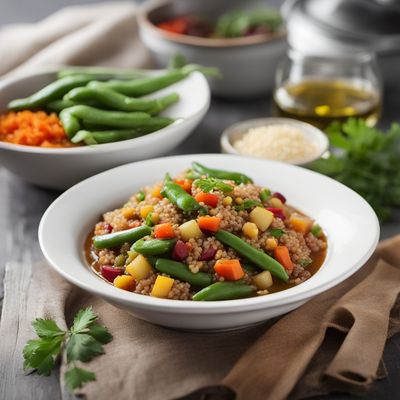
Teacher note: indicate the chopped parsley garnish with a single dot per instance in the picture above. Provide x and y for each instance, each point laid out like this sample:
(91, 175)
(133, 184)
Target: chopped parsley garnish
(209, 184)
(276, 232)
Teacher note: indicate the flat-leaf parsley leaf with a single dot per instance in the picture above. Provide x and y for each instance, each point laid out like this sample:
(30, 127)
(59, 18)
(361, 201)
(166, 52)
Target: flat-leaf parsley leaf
(82, 342)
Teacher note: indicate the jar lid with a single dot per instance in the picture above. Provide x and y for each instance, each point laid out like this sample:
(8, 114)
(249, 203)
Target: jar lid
(372, 24)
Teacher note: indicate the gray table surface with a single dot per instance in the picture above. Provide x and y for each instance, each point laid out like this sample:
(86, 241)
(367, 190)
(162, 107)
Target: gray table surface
(22, 205)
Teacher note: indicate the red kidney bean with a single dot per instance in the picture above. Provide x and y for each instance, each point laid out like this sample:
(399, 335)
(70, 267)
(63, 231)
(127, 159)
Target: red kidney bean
(107, 227)
(278, 212)
(279, 196)
(110, 273)
(180, 251)
(208, 254)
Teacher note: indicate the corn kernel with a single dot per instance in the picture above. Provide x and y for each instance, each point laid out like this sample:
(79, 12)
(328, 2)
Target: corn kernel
(238, 200)
(128, 212)
(271, 243)
(227, 201)
(275, 202)
(125, 282)
(155, 218)
(145, 210)
(156, 192)
(250, 230)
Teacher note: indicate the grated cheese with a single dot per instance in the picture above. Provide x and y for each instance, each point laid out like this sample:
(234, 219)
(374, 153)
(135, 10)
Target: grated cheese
(276, 142)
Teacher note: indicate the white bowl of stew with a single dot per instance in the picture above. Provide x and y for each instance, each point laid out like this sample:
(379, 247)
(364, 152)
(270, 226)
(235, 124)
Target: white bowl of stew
(349, 225)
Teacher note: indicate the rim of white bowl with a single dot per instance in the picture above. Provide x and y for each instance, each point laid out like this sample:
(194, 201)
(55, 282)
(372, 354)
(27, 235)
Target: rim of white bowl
(104, 289)
(321, 138)
(100, 148)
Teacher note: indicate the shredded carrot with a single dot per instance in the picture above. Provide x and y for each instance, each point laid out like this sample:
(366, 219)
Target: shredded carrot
(33, 128)
(231, 270)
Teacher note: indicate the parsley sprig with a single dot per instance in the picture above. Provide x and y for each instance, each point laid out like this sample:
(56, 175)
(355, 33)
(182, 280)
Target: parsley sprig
(82, 342)
(368, 161)
(209, 184)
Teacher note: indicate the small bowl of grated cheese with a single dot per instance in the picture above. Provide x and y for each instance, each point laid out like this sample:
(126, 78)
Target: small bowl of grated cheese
(280, 139)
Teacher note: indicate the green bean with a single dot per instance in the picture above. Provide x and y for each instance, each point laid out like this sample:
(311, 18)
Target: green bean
(101, 73)
(118, 101)
(153, 247)
(116, 239)
(53, 91)
(59, 105)
(114, 119)
(224, 291)
(257, 257)
(163, 102)
(69, 122)
(110, 136)
(141, 87)
(220, 174)
(181, 271)
(179, 197)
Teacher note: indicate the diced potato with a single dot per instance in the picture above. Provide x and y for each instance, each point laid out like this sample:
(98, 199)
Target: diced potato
(300, 223)
(275, 202)
(190, 230)
(125, 282)
(162, 286)
(250, 230)
(144, 211)
(139, 268)
(271, 243)
(262, 218)
(263, 280)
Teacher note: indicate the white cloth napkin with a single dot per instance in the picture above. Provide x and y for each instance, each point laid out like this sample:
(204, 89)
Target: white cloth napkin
(102, 34)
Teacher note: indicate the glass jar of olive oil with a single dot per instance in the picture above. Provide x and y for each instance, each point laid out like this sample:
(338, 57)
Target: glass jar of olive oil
(323, 89)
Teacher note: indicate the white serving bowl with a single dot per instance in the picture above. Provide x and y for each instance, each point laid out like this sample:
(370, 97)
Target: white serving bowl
(236, 131)
(247, 64)
(61, 168)
(350, 224)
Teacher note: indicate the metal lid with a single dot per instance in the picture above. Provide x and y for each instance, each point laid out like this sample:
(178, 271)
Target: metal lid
(372, 24)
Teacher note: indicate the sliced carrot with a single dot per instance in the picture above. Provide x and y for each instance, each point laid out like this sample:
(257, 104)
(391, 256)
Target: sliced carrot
(281, 254)
(209, 199)
(185, 184)
(231, 270)
(209, 223)
(164, 231)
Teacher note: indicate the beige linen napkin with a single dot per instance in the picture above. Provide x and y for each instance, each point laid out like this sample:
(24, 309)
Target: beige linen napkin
(334, 342)
(101, 34)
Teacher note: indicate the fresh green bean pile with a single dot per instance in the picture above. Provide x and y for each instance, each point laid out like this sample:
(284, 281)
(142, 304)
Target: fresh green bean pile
(207, 235)
(102, 105)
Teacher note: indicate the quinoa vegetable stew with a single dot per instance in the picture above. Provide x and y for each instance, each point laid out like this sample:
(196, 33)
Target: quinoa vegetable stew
(205, 235)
